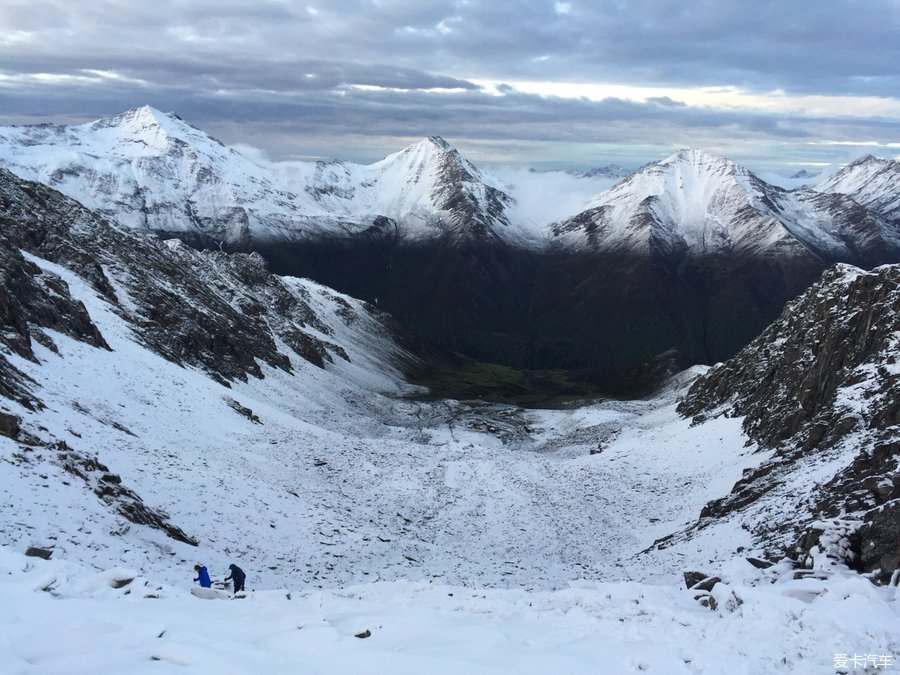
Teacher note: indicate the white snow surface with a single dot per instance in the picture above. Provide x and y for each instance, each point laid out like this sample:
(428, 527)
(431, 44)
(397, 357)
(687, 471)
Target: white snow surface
(62, 619)
(464, 536)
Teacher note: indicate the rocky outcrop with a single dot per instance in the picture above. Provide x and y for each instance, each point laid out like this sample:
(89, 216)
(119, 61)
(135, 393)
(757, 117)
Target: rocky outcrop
(36, 447)
(109, 488)
(840, 337)
(31, 301)
(223, 313)
(880, 539)
(822, 381)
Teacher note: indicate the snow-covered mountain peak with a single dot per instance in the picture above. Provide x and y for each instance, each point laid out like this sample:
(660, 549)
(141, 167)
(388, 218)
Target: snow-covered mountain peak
(690, 176)
(431, 186)
(860, 172)
(439, 142)
(144, 129)
(136, 119)
(691, 202)
(432, 153)
(697, 203)
(698, 161)
(871, 181)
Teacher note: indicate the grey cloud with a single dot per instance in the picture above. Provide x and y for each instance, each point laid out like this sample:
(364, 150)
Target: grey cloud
(281, 74)
(667, 102)
(842, 46)
(468, 114)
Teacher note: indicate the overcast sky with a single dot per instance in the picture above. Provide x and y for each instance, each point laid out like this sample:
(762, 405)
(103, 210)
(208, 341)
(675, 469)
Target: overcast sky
(771, 83)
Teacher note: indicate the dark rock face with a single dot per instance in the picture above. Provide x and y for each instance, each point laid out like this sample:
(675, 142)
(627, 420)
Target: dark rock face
(468, 217)
(217, 311)
(700, 581)
(880, 539)
(31, 299)
(824, 379)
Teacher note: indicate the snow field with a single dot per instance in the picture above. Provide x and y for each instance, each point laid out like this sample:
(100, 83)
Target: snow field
(63, 620)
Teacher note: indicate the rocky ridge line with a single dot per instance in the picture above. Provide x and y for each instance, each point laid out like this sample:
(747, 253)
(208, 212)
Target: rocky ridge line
(821, 385)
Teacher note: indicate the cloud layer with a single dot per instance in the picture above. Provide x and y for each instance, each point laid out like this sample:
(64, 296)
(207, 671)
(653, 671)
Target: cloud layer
(355, 78)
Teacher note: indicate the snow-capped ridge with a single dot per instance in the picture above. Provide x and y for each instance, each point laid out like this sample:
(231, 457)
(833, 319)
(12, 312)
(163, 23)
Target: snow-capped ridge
(699, 157)
(146, 125)
(439, 142)
(148, 117)
(139, 117)
(698, 203)
(608, 171)
(690, 202)
(432, 153)
(873, 182)
(152, 170)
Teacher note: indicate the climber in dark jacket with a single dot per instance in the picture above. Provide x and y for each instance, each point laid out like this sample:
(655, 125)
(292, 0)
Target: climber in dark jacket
(238, 576)
(202, 576)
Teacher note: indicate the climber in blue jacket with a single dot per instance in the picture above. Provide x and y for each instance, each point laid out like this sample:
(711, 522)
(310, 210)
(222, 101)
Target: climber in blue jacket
(202, 576)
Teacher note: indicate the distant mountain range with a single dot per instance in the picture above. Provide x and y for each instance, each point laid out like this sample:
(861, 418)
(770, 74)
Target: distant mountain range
(694, 253)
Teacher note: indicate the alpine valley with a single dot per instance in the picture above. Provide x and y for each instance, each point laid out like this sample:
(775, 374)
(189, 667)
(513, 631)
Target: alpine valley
(208, 358)
(691, 257)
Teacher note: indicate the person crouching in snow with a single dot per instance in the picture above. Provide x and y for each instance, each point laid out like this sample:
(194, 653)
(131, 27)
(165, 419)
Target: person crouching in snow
(238, 576)
(202, 576)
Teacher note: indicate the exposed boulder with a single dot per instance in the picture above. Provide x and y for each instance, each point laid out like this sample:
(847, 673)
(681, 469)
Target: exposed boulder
(37, 552)
(700, 581)
(9, 425)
